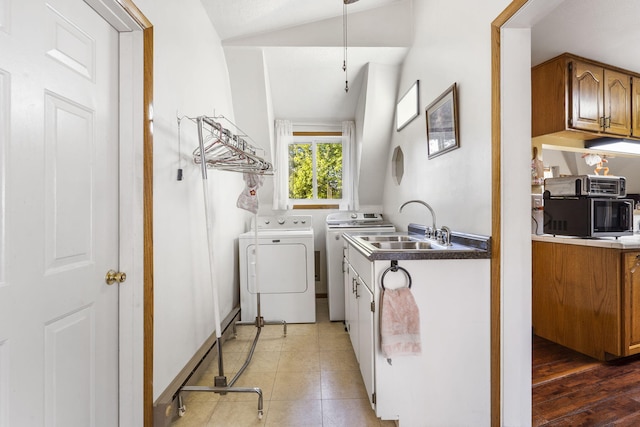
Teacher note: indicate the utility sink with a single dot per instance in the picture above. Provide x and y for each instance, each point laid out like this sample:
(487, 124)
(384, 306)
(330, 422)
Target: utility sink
(397, 243)
(405, 245)
(414, 245)
(386, 238)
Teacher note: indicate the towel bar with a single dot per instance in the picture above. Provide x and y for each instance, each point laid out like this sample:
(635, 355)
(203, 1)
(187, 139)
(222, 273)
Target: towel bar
(395, 267)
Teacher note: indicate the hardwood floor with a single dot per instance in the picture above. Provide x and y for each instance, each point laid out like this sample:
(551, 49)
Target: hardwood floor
(571, 389)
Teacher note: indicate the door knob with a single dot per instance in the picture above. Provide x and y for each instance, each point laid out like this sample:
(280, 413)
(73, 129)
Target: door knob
(114, 276)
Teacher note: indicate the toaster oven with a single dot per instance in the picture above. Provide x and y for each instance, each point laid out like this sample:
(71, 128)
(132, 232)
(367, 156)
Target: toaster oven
(586, 186)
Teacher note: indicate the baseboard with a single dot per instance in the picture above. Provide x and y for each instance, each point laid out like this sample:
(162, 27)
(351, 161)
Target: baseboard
(165, 408)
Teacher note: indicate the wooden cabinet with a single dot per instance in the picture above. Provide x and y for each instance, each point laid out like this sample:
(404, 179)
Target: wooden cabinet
(601, 99)
(631, 271)
(586, 91)
(617, 103)
(576, 297)
(635, 109)
(587, 298)
(578, 98)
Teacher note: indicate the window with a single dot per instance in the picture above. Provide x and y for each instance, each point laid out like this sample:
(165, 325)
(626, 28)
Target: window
(316, 169)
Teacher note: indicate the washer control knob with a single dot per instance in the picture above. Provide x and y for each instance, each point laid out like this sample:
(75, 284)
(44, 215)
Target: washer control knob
(295, 221)
(354, 215)
(280, 221)
(266, 221)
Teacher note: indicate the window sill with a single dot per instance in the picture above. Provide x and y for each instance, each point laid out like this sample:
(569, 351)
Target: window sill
(318, 206)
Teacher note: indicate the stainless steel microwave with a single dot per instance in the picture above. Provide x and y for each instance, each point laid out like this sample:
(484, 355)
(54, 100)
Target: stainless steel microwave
(588, 217)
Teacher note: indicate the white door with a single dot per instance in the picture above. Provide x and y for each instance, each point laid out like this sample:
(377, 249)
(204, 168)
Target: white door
(59, 182)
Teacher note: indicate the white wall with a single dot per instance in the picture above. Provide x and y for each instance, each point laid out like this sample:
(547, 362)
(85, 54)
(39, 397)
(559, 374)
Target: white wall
(452, 44)
(377, 107)
(190, 79)
(571, 163)
(252, 104)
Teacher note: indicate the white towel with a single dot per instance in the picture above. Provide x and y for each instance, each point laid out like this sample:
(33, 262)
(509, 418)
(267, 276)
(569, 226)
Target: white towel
(399, 323)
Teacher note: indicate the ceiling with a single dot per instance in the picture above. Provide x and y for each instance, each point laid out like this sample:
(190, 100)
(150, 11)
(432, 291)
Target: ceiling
(303, 48)
(242, 18)
(302, 43)
(604, 31)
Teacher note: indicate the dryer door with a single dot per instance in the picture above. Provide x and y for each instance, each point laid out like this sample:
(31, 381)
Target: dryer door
(281, 268)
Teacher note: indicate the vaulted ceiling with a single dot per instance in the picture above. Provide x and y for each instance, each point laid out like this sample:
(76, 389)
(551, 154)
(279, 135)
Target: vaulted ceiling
(302, 43)
(303, 47)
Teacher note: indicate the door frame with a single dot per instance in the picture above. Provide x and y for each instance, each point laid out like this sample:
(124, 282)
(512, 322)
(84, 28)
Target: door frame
(510, 290)
(135, 317)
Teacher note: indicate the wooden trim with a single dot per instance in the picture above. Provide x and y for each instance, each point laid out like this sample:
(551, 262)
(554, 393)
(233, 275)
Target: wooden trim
(135, 13)
(572, 56)
(496, 209)
(317, 133)
(147, 208)
(496, 221)
(332, 206)
(148, 227)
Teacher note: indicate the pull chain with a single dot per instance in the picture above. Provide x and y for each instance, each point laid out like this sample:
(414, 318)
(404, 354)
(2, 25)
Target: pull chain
(345, 39)
(179, 152)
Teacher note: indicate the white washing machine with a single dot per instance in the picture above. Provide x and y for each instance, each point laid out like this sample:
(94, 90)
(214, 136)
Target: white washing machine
(280, 268)
(338, 223)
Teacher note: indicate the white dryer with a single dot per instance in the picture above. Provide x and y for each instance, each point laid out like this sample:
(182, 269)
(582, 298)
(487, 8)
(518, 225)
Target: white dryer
(280, 268)
(337, 224)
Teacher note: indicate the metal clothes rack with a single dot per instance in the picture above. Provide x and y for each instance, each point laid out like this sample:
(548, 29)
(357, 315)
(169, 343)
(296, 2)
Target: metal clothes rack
(224, 150)
(219, 148)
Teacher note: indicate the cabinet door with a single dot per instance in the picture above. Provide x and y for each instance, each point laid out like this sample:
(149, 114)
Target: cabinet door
(635, 108)
(354, 321)
(586, 96)
(631, 265)
(576, 294)
(617, 103)
(347, 294)
(366, 342)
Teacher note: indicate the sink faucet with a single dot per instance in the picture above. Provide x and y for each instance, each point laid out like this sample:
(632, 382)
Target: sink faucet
(433, 214)
(444, 235)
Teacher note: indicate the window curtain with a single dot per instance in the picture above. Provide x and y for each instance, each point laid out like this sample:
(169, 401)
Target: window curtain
(284, 136)
(351, 167)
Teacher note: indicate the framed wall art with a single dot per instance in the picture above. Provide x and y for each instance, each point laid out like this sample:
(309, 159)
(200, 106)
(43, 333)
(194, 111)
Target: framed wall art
(408, 108)
(442, 123)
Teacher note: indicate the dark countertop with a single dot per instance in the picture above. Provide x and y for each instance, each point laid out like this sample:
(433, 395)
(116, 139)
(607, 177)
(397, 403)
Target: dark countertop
(464, 246)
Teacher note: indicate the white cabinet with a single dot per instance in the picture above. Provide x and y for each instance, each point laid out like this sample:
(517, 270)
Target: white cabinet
(453, 370)
(360, 322)
(351, 312)
(366, 327)
(361, 317)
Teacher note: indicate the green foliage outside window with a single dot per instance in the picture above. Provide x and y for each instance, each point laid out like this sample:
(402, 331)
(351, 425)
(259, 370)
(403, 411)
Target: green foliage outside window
(328, 177)
(329, 168)
(300, 171)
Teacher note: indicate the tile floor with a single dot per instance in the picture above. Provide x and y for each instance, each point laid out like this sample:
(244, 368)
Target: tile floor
(308, 378)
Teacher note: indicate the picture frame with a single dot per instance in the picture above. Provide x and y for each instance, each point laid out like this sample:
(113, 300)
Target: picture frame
(442, 123)
(408, 107)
